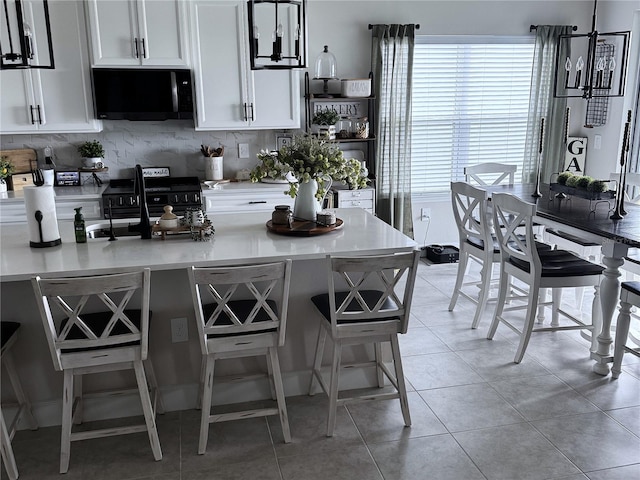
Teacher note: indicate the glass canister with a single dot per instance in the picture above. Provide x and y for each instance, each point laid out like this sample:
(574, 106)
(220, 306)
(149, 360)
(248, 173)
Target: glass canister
(361, 127)
(282, 215)
(344, 128)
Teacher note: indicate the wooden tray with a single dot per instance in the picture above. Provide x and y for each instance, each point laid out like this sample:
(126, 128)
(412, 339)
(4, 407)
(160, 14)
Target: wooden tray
(157, 230)
(581, 192)
(303, 228)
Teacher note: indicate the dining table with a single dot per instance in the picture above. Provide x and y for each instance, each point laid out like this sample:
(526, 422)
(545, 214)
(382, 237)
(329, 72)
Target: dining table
(590, 220)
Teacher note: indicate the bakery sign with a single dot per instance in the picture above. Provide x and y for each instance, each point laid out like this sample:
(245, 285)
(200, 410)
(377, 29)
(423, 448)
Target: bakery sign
(344, 109)
(575, 155)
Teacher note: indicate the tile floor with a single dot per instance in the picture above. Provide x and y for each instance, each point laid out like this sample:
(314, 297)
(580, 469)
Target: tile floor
(476, 415)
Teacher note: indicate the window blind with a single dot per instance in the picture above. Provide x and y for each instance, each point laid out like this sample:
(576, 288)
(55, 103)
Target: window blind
(470, 106)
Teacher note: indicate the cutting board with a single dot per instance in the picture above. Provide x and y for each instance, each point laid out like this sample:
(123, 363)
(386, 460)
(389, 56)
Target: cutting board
(23, 159)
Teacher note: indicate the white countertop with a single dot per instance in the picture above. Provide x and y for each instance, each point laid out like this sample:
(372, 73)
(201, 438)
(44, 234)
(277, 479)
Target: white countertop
(241, 238)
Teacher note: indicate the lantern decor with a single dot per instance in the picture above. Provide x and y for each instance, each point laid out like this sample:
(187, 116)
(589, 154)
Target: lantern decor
(286, 21)
(592, 65)
(26, 35)
(619, 212)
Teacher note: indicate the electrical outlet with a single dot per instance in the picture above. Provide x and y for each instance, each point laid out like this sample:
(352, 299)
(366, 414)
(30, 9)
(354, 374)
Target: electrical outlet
(179, 330)
(597, 142)
(425, 214)
(243, 150)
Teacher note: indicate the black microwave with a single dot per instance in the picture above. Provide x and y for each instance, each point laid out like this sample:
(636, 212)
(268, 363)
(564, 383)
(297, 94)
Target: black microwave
(142, 94)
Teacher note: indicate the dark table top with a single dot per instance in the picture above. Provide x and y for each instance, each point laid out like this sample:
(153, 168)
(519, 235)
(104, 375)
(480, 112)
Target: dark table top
(579, 213)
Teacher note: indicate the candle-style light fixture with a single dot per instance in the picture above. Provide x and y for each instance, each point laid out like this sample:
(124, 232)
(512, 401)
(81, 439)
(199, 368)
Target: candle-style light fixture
(593, 65)
(25, 35)
(285, 21)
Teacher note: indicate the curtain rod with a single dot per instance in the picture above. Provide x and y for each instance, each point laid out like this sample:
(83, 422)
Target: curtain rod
(534, 27)
(417, 26)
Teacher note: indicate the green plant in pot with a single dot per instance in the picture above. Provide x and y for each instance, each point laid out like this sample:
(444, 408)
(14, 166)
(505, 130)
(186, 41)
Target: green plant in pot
(92, 152)
(324, 123)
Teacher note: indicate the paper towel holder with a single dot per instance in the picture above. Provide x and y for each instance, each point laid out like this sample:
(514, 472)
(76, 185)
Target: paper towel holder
(42, 243)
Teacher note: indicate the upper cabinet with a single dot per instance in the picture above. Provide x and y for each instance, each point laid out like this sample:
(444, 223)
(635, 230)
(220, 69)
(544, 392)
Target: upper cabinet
(138, 32)
(52, 101)
(229, 95)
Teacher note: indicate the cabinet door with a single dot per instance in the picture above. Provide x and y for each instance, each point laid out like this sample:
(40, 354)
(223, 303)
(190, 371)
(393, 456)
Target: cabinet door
(114, 32)
(219, 65)
(16, 102)
(275, 99)
(56, 100)
(162, 32)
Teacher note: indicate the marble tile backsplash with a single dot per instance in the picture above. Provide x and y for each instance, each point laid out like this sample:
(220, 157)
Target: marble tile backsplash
(171, 143)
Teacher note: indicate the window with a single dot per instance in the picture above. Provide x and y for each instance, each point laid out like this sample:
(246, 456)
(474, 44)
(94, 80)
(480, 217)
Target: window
(470, 105)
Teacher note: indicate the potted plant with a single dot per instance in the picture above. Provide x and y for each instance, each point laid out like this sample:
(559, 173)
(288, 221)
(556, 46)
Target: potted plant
(324, 123)
(315, 163)
(92, 153)
(6, 170)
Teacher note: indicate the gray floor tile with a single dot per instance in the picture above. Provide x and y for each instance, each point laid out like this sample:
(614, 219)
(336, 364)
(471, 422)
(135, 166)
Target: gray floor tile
(382, 421)
(438, 370)
(514, 452)
(308, 424)
(543, 397)
(421, 341)
(621, 473)
(592, 441)
(347, 464)
(254, 469)
(460, 336)
(605, 392)
(628, 418)
(426, 457)
(469, 407)
(496, 363)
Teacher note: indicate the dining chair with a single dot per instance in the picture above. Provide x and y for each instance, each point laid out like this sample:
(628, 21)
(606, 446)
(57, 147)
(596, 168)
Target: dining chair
(536, 269)
(475, 242)
(368, 301)
(241, 311)
(84, 340)
(629, 297)
(9, 337)
(490, 173)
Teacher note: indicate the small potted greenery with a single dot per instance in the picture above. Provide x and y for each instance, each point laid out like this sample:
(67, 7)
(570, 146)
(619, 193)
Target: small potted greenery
(324, 122)
(6, 170)
(92, 153)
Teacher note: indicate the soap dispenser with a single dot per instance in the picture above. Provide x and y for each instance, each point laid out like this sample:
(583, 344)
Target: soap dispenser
(79, 226)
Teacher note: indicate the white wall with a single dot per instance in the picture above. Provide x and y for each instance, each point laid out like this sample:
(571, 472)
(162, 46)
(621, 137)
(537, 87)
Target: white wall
(343, 26)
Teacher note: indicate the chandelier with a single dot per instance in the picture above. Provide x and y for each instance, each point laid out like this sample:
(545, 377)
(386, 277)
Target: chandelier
(25, 35)
(593, 64)
(286, 23)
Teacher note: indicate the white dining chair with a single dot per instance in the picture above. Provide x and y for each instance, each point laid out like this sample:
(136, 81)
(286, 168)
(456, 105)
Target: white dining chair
(490, 173)
(84, 341)
(629, 297)
(9, 337)
(476, 243)
(368, 301)
(535, 268)
(241, 311)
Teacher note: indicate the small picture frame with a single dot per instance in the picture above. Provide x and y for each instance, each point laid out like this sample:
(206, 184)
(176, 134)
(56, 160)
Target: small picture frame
(575, 155)
(283, 139)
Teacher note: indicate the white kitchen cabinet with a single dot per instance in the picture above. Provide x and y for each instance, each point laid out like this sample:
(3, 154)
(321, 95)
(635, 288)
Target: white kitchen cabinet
(58, 100)
(229, 95)
(138, 32)
(234, 198)
(361, 198)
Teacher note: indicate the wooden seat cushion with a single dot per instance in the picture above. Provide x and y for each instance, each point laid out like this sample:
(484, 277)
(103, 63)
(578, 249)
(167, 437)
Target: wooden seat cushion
(572, 238)
(633, 287)
(241, 308)
(370, 297)
(97, 322)
(560, 263)
(7, 331)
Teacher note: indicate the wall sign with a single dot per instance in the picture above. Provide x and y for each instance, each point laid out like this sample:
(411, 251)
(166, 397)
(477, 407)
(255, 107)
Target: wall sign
(575, 155)
(344, 109)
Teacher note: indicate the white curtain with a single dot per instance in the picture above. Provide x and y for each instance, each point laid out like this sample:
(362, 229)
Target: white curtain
(392, 66)
(542, 104)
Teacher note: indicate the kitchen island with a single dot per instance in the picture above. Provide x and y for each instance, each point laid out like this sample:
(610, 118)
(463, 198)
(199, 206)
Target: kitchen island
(239, 239)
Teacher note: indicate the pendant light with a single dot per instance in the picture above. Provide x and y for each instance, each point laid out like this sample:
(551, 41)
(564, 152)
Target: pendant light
(592, 65)
(285, 23)
(25, 39)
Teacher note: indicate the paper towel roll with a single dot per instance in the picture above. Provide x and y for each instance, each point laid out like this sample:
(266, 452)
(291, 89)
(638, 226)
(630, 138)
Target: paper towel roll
(40, 204)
